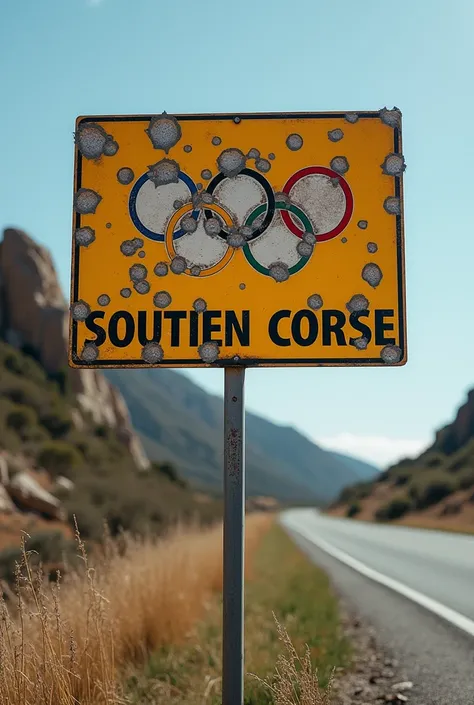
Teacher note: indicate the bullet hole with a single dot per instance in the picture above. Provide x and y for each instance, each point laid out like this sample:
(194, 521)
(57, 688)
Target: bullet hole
(294, 142)
(86, 201)
(111, 147)
(235, 238)
(392, 118)
(391, 354)
(315, 302)
(216, 141)
(142, 287)
(340, 165)
(309, 238)
(84, 236)
(152, 353)
(237, 120)
(199, 186)
(90, 352)
(392, 205)
(351, 117)
(231, 161)
(162, 299)
(246, 231)
(281, 197)
(130, 247)
(189, 224)
(304, 249)
(372, 247)
(236, 359)
(195, 270)
(161, 269)
(126, 293)
(212, 227)
(202, 197)
(279, 271)
(358, 302)
(187, 148)
(335, 135)
(138, 272)
(263, 165)
(178, 265)
(361, 343)
(164, 172)
(335, 181)
(344, 240)
(363, 224)
(103, 300)
(80, 310)
(253, 153)
(372, 274)
(242, 286)
(178, 204)
(164, 132)
(108, 225)
(208, 352)
(199, 305)
(90, 139)
(125, 175)
(206, 174)
(142, 254)
(394, 165)
(271, 156)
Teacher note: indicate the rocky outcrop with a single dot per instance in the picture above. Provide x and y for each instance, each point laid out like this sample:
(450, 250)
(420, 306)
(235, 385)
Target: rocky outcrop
(452, 437)
(34, 313)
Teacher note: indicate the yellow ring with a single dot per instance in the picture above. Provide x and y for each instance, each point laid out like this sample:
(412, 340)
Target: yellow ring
(170, 228)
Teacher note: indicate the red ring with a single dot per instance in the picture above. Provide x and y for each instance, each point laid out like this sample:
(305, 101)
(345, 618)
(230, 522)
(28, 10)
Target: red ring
(291, 225)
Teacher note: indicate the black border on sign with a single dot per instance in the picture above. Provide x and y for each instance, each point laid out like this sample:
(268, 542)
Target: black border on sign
(75, 360)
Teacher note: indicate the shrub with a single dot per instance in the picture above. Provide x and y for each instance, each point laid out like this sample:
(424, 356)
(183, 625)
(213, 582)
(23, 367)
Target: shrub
(402, 478)
(394, 509)
(431, 489)
(21, 364)
(58, 457)
(465, 478)
(169, 471)
(57, 421)
(20, 417)
(353, 509)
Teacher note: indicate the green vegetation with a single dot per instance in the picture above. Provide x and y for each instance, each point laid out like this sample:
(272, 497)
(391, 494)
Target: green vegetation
(353, 509)
(394, 509)
(281, 581)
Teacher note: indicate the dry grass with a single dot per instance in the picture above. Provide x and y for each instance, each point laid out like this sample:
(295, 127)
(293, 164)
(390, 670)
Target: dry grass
(70, 642)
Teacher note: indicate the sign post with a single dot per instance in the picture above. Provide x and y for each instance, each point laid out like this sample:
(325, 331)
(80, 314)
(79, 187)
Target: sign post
(231, 241)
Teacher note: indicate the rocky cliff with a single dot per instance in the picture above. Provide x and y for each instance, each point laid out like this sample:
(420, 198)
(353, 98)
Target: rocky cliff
(457, 434)
(34, 317)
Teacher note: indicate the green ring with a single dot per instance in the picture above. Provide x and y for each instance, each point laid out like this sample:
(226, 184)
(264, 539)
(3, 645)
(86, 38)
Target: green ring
(281, 206)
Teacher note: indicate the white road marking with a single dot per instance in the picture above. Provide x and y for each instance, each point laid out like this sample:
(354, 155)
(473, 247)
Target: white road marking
(446, 613)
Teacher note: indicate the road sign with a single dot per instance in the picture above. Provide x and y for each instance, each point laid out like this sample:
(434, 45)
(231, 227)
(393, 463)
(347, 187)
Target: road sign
(224, 240)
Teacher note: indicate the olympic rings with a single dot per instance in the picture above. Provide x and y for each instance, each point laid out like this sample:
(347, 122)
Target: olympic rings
(307, 171)
(133, 207)
(270, 207)
(170, 237)
(284, 208)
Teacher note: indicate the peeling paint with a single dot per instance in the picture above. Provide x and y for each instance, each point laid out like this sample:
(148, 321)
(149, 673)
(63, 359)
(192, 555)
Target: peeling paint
(199, 305)
(111, 147)
(138, 272)
(358, 302)
(309, 238)
(125, 175)
(391, 354)
(142, 287)
(231, 161)
(130, 247)
(315, 302)
(90, 139)
(372, 274)
(195, 270)
(393, 164)
(304, 249)
(90, 352)
(103, 300)
(392, 118)
(235, 238)
(209, 352)
(178, 204)
(263, 165)
(84, 236)
(164, 132)
(392, 205)
(162, 299)
(86, 201)
(372, 247)
(152, 353)
(189, 224)
(80, 310)
(294, 142)
(161, 269)
(126, 293)
(178, 265)
(279, 271)
(164, 172)
(253, 153)
(351, 117)
(335, 135)
(340, 165)
(361, 343)
(212, 227)
(363, 224)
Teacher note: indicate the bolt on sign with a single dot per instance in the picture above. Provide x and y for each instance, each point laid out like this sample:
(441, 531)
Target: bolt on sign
(227, 240)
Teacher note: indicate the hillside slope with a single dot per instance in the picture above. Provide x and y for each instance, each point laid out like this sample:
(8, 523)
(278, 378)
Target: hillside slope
(435, 490)
(179, 421)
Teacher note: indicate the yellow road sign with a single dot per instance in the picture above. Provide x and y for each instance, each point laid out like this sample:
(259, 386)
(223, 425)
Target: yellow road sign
(253, 239)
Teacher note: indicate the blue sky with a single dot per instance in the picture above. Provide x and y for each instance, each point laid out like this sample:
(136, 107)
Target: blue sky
(63, 58)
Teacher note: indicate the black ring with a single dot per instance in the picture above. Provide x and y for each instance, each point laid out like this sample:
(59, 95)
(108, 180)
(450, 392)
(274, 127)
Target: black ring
(268, 191)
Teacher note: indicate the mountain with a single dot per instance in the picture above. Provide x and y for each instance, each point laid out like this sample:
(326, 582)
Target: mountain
(435, 489)
(180, 422)
(363, 470)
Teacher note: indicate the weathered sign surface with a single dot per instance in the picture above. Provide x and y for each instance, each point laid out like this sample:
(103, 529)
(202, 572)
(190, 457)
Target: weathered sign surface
(253, 239)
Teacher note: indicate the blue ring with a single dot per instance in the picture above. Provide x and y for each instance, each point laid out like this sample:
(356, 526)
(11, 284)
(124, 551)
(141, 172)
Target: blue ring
(132, 207)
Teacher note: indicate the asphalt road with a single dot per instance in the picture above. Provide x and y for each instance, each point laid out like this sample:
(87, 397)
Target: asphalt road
(416, 587)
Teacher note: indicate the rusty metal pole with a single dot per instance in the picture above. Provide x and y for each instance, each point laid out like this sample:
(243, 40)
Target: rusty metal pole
(234, 537)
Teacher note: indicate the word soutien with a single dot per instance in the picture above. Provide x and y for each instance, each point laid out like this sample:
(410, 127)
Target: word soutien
(304, 327)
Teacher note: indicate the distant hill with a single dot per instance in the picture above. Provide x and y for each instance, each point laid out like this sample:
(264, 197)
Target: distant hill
(435, 490)
(180, 422)
(365, 471)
